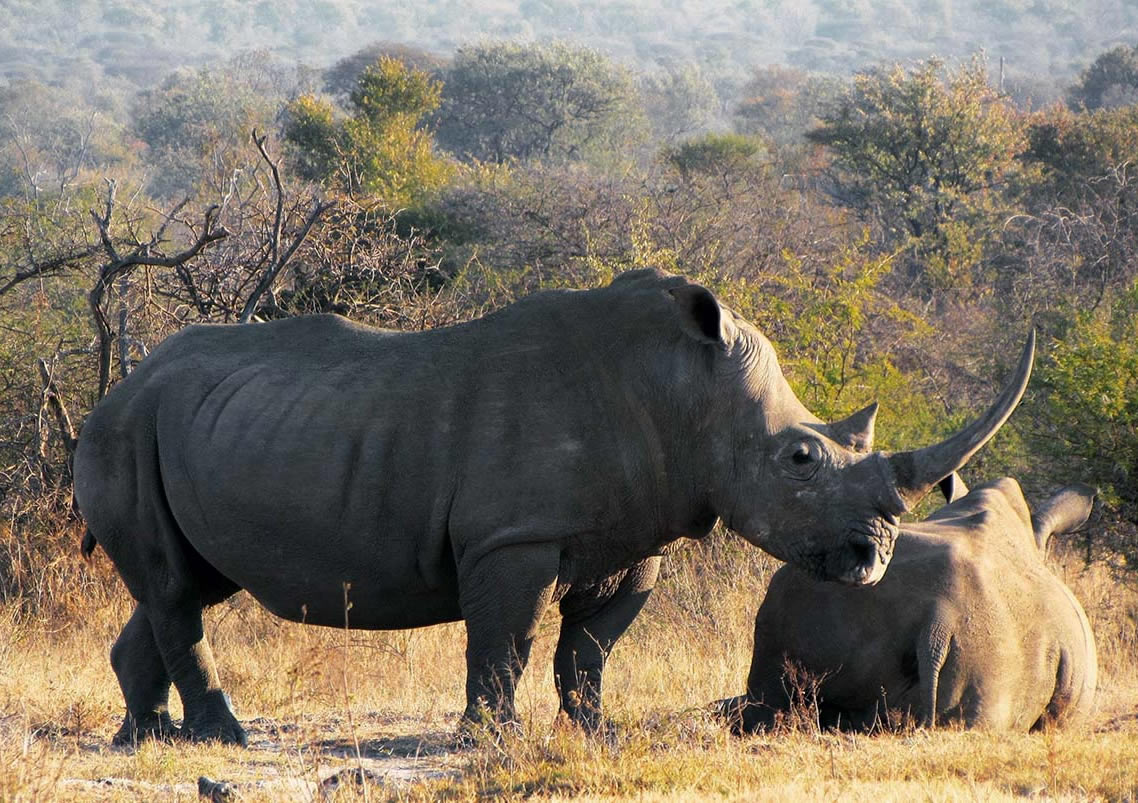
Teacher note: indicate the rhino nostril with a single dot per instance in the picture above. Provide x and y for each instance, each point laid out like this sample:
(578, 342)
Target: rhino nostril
(864, 550)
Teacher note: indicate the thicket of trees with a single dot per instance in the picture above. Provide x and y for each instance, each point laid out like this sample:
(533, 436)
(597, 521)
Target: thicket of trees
(896, 241)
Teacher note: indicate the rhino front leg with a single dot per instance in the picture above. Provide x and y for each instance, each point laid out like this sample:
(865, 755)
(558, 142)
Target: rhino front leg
(591, 622)
(503, 597)
(144, 682)
(188, 658)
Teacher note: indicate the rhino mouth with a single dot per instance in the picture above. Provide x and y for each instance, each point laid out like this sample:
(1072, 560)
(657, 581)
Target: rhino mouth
(864, 557)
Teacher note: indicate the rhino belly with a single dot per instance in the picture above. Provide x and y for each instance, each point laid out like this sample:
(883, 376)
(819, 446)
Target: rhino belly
(369, 607)
(319, 578)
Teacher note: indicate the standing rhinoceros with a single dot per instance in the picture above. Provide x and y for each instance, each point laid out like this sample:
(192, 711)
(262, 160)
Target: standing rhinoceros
(969, 624)
(545, 453)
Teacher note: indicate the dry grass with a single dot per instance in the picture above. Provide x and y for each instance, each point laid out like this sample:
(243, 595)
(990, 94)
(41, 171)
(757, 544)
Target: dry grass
(319, 702)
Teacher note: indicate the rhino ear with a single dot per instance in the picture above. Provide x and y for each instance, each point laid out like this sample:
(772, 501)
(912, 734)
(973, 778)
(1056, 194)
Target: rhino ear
(1066, 510)
(856, 431)
(701, 315)
(952, 487)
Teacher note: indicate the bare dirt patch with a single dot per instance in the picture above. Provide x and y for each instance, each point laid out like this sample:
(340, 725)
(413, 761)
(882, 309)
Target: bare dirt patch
(307, 760)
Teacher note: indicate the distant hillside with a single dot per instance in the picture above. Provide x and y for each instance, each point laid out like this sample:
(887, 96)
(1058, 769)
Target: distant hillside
(137, 41)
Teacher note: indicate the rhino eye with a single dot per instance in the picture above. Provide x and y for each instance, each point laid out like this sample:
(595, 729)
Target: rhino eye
(803, 459)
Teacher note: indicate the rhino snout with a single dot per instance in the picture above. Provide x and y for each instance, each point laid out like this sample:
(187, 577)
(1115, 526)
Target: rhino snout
(863, 560)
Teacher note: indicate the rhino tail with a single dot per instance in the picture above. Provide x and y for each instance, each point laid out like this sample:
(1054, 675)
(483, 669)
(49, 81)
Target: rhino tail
(88, 544)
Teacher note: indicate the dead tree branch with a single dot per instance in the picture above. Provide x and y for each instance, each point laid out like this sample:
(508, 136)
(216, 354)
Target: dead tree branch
(48, 267)
(278, 260)
(141, 254)
(53, 400)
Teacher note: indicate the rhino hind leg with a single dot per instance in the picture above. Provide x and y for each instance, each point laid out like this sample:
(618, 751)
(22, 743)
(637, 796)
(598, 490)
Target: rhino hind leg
(186, 653)
(144, 682)
(591, 623)
(503, 597)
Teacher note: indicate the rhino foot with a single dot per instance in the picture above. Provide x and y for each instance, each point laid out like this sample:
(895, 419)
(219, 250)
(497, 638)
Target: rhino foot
(742, 714)
(213, 721)
(594, 726)
(151, 725)
(479, 727)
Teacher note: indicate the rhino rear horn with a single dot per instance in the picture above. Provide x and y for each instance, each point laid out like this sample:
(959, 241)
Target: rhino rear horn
(916, 472)
(856, 431)
(1066, 510)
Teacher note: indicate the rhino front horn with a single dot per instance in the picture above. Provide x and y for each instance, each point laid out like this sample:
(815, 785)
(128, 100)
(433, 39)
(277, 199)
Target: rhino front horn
(918, 471)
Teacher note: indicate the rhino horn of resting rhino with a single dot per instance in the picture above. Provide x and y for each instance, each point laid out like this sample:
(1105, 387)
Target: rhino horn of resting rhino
(546, 453)
(1063, 512)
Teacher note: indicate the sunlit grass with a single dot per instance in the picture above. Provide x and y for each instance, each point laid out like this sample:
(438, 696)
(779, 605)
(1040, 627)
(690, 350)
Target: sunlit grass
(318, 701)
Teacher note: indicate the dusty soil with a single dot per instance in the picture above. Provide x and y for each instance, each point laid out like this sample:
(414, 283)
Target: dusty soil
(304, 760)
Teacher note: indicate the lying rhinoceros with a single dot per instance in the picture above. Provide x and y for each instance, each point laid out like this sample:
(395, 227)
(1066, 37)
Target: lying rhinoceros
(968, 624)
(544, 454)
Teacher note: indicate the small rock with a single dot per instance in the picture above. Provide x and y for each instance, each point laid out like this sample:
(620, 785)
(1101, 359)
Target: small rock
(357, 776)
(216, 791)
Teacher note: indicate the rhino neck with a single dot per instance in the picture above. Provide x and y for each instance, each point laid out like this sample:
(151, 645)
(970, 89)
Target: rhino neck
(748, 415)
(666, 414)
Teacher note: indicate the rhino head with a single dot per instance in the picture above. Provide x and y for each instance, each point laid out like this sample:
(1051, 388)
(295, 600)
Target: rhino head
(811, 493)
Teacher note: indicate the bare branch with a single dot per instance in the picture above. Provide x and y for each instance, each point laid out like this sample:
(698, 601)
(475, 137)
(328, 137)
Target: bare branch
(274, 270)
(275, 242)
(47, 268)
(53, 400)
(141, 254)
(278, 260)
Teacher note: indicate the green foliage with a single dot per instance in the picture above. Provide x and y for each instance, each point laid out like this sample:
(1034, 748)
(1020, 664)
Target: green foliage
(504, 101)
(1073, 150)
(1076, 239)
(1087, 407)
(716, 154)
(915, 152)
(823, 319)
(1111, 81)
(380, 151)
(342, 77)
(312, 129)
(388, 93)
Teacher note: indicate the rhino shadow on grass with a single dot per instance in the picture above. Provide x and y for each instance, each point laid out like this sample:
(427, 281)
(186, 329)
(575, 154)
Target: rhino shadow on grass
(969, 625)
(544, 454)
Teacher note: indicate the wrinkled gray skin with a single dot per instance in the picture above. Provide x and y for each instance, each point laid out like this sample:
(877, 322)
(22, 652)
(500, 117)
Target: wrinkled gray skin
(968, 625)
(544, 454)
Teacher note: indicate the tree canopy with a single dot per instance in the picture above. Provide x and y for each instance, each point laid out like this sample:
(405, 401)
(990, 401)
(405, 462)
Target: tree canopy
(506, 101)
(382, 149)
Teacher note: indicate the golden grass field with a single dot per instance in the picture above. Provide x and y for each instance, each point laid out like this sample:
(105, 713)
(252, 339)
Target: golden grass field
(324, 705)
